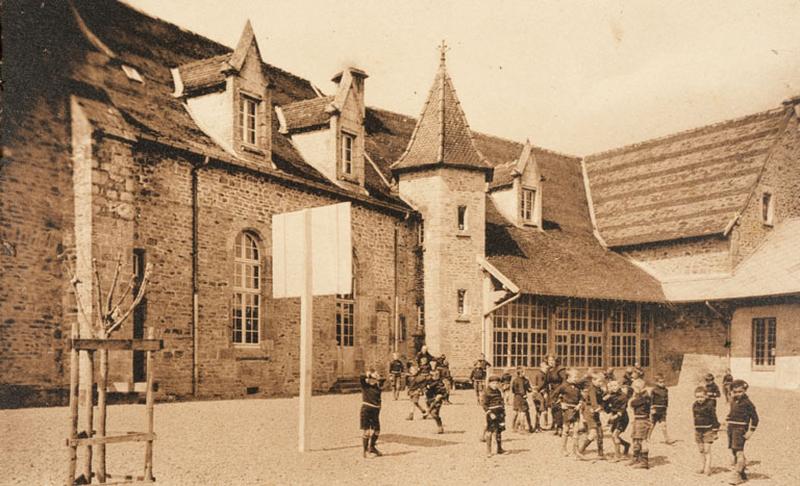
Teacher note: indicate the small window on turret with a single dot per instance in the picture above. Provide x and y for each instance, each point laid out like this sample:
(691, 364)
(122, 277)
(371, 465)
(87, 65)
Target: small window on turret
(463, 305)
(462, 218)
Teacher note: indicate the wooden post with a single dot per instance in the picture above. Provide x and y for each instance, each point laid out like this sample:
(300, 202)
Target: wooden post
(73, 407)
(86, 408)
(102, 383)
(148, 451)
(306, 335)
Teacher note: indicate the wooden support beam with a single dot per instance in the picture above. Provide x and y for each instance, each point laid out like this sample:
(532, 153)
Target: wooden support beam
(112, 439)
(117, 344)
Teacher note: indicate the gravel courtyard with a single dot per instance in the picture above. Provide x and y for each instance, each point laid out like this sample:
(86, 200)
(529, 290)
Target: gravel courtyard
(255, 442)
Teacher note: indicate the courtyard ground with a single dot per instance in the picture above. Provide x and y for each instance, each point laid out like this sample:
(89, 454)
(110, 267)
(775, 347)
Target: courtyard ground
(255, 442)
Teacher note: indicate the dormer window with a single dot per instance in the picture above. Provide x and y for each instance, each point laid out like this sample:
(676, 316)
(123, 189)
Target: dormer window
(526, 205)
(767, 208)
(348, 144)
(248, 119)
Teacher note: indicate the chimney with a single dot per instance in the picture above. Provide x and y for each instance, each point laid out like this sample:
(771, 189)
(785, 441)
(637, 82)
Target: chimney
(351, 77)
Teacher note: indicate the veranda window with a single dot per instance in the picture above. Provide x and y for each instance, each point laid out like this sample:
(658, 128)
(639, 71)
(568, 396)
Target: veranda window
(579, 333)
(520, 333)
(764, 342)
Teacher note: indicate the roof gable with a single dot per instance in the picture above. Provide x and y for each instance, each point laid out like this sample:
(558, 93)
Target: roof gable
(684, 185)
(442, 135)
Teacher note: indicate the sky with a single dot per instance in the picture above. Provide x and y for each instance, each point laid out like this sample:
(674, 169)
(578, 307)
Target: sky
(575, 77)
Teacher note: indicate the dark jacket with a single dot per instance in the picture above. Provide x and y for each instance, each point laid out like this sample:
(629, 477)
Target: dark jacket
(660, 396)
(493, 399)
(520, 385)
(641, 406)
(617, 402)
(371, 394)
(569, 393)
(743, 413)
(555, 376)
(712, 390)
(396, 367)
(705, 415)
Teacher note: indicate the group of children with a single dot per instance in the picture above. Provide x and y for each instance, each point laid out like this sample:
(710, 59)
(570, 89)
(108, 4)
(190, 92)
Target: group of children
(572, 405)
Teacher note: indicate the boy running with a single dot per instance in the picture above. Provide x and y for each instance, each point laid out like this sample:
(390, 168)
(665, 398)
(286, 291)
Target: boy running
(396, 370)
(616, 404)
(435, 394)
(416, 384)
(569, 396)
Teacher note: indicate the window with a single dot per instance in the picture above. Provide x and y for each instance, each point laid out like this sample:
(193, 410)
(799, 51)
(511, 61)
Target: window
(403, 329)
(579, 333)
(246, 290)
(764, 341)
(421, 233)
(248, 112)
(646, 324)
(520, 333)
(139, 315)
(462, 218)
(345, 314)
(526, 205)
(420, 317)
(348, 142)
(631, 334)
(767, 208)
(463, 305)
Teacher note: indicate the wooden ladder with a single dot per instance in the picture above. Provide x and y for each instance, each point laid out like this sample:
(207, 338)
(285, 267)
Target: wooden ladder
(99, 438)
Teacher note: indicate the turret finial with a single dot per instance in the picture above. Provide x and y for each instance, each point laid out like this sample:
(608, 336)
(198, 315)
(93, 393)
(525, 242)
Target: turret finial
(443, 52)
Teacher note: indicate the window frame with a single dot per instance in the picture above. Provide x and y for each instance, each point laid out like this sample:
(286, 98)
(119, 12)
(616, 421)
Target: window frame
(769, 332)
(462, 303)
(461, 218)
(348, 153)
(578, 333)
(521, 332)
(345, 314)
(244, 118)
(767, 208)
(527, 205)
(244, 296)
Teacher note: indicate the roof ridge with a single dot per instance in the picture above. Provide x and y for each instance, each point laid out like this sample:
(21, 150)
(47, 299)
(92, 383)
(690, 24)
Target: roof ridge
(682, 133)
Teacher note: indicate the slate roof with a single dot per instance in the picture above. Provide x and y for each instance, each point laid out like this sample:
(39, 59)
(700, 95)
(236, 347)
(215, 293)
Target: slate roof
(503, 175)
(773, 269)
(683, 185)
(307, 113)
(442, 135)
(564, 262)
(204, 73)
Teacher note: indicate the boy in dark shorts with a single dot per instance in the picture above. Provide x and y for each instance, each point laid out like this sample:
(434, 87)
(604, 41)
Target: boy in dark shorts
(742, 422)
(556, 374)
(416, 385)
(435, 395)
(726, 385)
(593, 399)
(520, 387)
(495, 408)
(444, 370)
(640, 403)
(616, 405)
(396, 371)
(371, 384)
(478, 377)
(505, 385)
(706, 427)
(538, 384)
(712, 390)
(658, 411)
(569, 396)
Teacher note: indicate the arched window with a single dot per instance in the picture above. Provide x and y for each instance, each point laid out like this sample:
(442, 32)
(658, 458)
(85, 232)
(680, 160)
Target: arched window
(246, 306)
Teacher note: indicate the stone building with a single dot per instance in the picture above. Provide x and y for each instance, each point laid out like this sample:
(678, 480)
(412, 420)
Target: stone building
(126, 135)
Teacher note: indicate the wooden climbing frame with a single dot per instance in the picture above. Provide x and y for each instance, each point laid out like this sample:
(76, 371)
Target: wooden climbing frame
(98, 439)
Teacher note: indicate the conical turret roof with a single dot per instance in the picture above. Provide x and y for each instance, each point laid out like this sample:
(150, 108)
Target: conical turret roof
(442, 135)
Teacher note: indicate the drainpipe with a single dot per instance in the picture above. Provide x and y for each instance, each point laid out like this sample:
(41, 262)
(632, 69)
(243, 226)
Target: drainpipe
(727, 322)
(195, 271)
(396, 343)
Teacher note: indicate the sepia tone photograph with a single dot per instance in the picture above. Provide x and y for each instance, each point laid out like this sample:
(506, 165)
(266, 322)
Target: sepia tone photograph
(395, 243)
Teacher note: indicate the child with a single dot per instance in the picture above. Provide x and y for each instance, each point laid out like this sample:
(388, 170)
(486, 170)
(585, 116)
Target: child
(494, 406)
(660, 400)
(396, 370)
(435, 394)
(538, 383)
(616, 405)
(569, 396)
(371, 384)
(520, 386)
(640, 403)
(444, 369)
(726, 385)
(591, 411)
(555, 376)
(712, 390)
(478, 377)
(706, 427)
(416, 383)
(742, 422)
(609, 375)
(505, 385)
(425, 366)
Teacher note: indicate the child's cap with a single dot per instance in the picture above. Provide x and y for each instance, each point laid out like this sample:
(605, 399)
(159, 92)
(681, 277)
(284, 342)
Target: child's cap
(709, 377)
(699, 389)
(637, 385)
(494, 378)
(739, 384)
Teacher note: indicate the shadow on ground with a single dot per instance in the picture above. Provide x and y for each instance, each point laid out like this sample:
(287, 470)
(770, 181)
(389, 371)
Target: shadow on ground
(411, 440)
